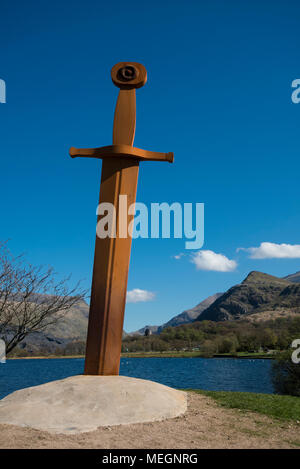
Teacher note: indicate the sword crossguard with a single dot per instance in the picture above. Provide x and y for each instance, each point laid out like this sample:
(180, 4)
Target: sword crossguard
(119, 151)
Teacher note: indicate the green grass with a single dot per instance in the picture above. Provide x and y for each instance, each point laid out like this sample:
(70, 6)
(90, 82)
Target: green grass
(272, 405)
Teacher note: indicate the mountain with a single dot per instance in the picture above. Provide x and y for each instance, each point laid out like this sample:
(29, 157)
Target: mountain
(72, 328)
(295, 278)
(257, 293)
(69, 333)
(257, 296)
(152, 329)
(191, 314)
(185, 317)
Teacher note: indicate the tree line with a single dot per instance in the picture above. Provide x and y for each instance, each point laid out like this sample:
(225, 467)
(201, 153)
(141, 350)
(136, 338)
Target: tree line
(211, 338)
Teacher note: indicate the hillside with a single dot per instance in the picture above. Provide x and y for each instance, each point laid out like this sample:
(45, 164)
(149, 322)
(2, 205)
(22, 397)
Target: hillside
(260, 297)
(295, 278)
(258, 292)
(191, 314)
(185, 317)
(67, 336)
(72, 328)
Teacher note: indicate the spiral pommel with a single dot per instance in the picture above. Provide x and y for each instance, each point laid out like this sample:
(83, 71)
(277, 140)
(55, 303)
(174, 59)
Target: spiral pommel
(129, 75)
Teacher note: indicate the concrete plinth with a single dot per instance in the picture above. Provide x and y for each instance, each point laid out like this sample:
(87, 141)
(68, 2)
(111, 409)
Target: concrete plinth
(84, 403)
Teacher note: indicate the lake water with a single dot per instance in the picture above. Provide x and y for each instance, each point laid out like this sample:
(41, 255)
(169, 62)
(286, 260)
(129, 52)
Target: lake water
(215, 374)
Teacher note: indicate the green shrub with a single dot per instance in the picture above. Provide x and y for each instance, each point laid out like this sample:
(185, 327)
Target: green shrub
(286, 374)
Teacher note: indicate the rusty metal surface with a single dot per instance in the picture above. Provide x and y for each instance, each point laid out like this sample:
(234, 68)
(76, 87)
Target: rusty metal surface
(117, 151)
(112, 255)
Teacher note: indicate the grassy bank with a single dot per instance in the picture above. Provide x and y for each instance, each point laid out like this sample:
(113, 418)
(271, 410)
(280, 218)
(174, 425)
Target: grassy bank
(272, 405)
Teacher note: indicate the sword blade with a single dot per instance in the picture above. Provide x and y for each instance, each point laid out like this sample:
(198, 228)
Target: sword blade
(112, 255)
(111, 265)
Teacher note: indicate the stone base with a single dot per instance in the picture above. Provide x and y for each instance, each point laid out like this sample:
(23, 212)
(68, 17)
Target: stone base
(84, 403)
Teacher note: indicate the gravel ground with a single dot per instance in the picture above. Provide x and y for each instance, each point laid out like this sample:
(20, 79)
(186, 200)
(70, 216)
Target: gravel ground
(204, 425)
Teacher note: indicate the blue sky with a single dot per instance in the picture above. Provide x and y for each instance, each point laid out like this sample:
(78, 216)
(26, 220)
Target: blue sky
(218, 96)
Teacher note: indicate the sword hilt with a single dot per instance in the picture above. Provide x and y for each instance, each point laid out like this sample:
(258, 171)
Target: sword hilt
(127, 76)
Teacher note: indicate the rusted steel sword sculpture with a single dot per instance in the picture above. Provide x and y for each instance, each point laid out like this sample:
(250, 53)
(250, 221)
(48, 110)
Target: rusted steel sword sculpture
(112, 254)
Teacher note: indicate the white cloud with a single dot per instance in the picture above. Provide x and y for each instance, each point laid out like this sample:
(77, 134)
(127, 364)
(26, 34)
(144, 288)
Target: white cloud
(210, 260)
(136, 295)
(178, 256)
(274, 251)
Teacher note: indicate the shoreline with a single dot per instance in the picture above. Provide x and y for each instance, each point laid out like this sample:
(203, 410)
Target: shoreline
(254, 356)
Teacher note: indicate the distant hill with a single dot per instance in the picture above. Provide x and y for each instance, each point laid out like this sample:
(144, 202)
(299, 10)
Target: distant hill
(185, 317)
(70, 332)
(258, 292)
(152, 329)
(295, 278)
(258, 296)
(191, 314)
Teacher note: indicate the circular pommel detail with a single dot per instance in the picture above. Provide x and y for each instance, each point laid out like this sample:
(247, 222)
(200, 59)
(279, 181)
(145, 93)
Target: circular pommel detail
(128, 75)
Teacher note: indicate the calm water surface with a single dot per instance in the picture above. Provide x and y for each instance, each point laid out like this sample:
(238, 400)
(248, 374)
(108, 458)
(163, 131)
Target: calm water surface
(215, 374)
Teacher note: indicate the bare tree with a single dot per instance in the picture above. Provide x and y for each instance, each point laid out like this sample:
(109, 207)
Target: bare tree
(31, 298)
